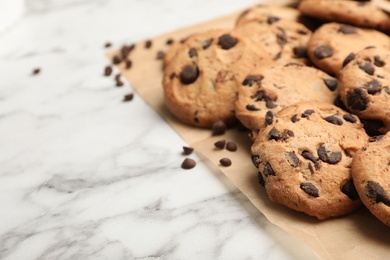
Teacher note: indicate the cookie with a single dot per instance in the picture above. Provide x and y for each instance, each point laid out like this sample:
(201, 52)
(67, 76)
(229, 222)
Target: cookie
(358, 13)
(332, 42)
(264, 13)
(304, 156)
(371, 176)
(199, 82)
(276, 87)
(365, 85)
(284, 40)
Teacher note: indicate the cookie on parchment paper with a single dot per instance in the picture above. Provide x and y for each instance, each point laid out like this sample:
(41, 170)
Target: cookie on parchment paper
(304, 155)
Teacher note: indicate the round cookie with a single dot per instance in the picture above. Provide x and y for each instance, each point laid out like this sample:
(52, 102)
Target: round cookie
(359, 13)
(265, 13)
(199, 82)
(365, 85)
(304, 156)
(371, 176)
(284, 40)
(332, 42)
(273, 88)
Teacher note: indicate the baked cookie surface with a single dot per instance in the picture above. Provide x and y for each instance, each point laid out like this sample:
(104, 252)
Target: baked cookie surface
(304, 156)
(265, 13)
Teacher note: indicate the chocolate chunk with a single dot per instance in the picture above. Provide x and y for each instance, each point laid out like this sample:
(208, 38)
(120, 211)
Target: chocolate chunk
(207, 43)
(170, 41)
(160, 55)
(125, 50)
(220, 144)
(294, 118)
(252, 79)
(36, 71)
(372, 126)
(331, 84)
(307, 113)
(273, 134)
(357, 99)
(349, 118)
(348, 59)
(189, 74)
(286, 134)
(323, 51)
(148, 44)
(376, 192)
(226, 41)
(231, 146)
(350, 190)
(367, 68)
(300, 52)
(260, 179)
(310, 189)
(378, 62)
(256, 160)
(310, 166)
(269, 117)
(292, 159)
(333, 120)
(116, 60)
(188, 164)
(187, 150)
(269, 102)
(258, 96)
(373, 87)
(218, 128)
(128, 64)
(107, 71)
(317, 165)
(328, 156)
(192, 53)
(225, 162)
(347, 29)
(128, 97)
(252, 107)
(272, 19)
(309, 156)
(268, 171)
(107, 45)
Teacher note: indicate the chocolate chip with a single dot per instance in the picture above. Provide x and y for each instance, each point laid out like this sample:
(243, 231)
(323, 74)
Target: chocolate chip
(347, 29)
(376, 192)
(272, 19)
(252, 79)
(256, 160)
(367, 68)
(128, 64)
(294, 118)
(187, 150)
(317, 165)
(36, 71)
(310, 166)
(292, 159)
(226, 41)
(125, 50)
(269, 102)
(286, 134)
(107, 71)
(119, 83)
(307, 113)
(260, 179)
(281, 39)
(378, 62)
(207, 43)
(323, 51)
(277, 56)
(160, 55)
(375, 138)
(231, 146)
(188, 163)
(328, 156)
(225, 162)
(300, 52)
(269, 118)
(107, 45)
(268, 171)
(192, 53)
(350, 190)
(116, 60)
(273, 134)
(372, 126)
(333, 120)
(373, 87)
(128, 97)
(349, 118)
(258, 96)
(252, 107)
(170, 41)
(218, 128)
(357, 99)
(331, 84)
(220, 144)
(309, 156)
(148, 44)
(348, 59)
(309, 189)
(189, 74)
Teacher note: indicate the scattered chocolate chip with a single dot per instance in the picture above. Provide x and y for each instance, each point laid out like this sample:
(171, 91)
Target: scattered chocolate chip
(256, 160)
(220, 144)
(226, 41)
(309, 156)
(378, 62)
(272, 19)
(300, 52)
(125, 50)
(218, 128)
(347, 29)
(116, 60)
(231, 146)
(309, 189)
(331, 84)
(207, 43)
(170, 41)
(148, 44)
(128, 97)
(260, 179)
(252, 107)
(349, 118)
(367, 68)
(107, 45)
(292, 159)
(36, 71)
(225, 162)
(119, 83)
(350, 190)
(187, 150)
(375, 138)
(327, 156)
(189, 74)
(310, 166)
(192, 53)
(117, 77)
(373, 87)
(376, 192)
(160, 55)
(357, 99)
(107, 71)
(294, 118)
(348, 59)
(128, 64)
(252, 79)
(273, 134)
(323, 51)
(307, 113)
(269, 118)
(333, 120)
(268, 171)
(188, 163)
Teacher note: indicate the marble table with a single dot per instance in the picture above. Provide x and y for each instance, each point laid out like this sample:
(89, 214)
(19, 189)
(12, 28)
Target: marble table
(84, 175)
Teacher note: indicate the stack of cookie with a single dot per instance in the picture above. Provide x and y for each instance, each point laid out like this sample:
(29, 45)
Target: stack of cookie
(312, 85)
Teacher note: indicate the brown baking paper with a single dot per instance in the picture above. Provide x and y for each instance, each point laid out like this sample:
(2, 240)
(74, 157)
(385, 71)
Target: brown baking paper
(356, 236)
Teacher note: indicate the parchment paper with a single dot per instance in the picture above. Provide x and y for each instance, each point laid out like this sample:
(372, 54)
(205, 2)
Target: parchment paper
(356, 236)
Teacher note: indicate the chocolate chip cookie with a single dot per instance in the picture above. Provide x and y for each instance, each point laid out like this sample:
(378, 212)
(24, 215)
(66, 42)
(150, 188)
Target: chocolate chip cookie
(269, 14)
(199, 82)
(365, 85)
(304, 155)
(371, 175)
(273, 88)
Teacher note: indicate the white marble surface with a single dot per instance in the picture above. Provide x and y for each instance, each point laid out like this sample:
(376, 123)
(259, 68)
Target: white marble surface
(86, 176)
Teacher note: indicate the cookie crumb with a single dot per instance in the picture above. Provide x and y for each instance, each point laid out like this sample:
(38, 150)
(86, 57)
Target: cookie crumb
(225, 162)
(188, 164)
(187, 150)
